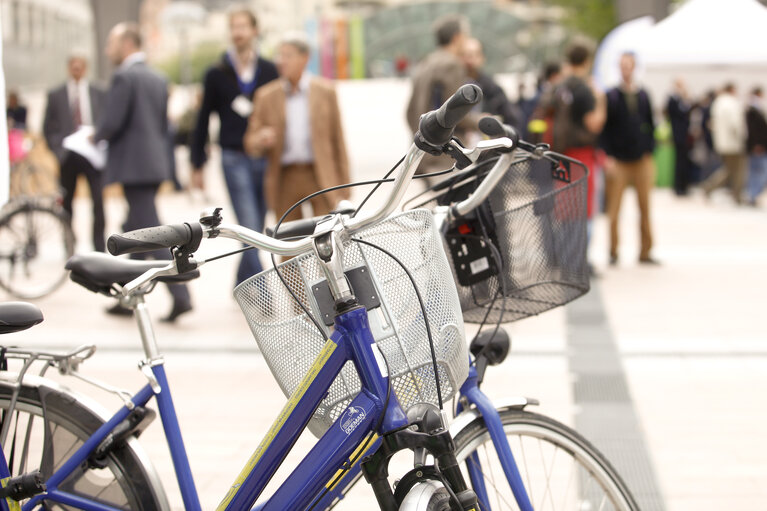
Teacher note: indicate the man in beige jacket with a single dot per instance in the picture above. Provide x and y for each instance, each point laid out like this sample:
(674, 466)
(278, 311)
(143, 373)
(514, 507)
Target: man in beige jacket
(296, 124)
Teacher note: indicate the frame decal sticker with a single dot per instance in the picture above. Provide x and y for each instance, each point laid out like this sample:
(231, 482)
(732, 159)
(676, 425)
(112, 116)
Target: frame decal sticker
(351, 418)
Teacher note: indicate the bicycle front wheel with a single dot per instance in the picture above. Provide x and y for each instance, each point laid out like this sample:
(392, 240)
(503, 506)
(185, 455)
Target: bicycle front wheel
(47, 425)
(35, 243)
(560, 469)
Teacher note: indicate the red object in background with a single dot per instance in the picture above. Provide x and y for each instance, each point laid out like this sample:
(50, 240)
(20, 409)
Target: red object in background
(401, 64)
(593, 159)
(16, 149)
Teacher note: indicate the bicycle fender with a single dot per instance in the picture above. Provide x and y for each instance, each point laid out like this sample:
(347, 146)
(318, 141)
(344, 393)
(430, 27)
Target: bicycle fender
(466, 417)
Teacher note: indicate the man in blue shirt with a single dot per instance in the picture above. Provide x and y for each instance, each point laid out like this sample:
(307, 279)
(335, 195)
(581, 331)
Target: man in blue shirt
(229, 89)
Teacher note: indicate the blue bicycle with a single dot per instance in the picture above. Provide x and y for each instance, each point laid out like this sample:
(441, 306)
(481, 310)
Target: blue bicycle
(363, 330)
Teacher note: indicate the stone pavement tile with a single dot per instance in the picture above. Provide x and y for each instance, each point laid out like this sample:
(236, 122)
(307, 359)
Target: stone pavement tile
(703, 418)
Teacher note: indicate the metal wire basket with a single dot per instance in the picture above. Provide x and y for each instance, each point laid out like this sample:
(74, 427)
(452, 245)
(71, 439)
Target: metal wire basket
(523, 251)
(290, 342)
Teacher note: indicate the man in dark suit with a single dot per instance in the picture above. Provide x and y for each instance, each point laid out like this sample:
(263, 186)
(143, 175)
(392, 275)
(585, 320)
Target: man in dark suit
(76, 103)
(135, 124)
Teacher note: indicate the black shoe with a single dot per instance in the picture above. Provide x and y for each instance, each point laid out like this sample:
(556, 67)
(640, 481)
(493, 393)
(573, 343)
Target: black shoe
(119, 310)
(177, 310)
(649, 261)
(613, 260)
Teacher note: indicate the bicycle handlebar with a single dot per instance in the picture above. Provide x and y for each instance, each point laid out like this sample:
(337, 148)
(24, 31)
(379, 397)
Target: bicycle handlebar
(152, 238)
(492, 127)
(435, 129)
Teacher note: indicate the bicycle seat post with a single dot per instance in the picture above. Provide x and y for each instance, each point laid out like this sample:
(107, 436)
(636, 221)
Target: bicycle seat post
(144, 322)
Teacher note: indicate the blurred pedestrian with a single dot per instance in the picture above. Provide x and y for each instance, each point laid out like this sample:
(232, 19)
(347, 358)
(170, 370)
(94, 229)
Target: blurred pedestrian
(537, 124)
(678, 110)
(702, 155)
(229, 89)
(494, 100)
(576, 113)
(296, 124)
(728, 127)
(629, 140)
(135, 123)
(15, 112)
(74, 104)
(525, 104)
(436, 78)
(756, 144)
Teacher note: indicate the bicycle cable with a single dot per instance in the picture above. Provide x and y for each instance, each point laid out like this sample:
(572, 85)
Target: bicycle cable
(377, 182)
(423, 311)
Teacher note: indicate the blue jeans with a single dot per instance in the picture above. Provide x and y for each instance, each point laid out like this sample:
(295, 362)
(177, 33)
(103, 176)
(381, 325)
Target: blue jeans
(757, 175)
(245, 180)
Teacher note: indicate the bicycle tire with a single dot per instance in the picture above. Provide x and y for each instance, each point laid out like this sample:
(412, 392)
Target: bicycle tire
(127, 481)
(551, 440)
(36, 240)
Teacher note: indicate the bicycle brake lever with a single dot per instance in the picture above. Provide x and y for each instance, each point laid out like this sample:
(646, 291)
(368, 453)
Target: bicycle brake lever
(483, 145)
(147, 277)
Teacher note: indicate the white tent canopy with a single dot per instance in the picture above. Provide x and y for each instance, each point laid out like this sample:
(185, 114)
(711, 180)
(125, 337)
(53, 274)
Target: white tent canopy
(704, 42)
(710, 32)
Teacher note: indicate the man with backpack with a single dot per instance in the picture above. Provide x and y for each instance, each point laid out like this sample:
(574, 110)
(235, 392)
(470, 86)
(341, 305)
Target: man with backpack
(575, 113)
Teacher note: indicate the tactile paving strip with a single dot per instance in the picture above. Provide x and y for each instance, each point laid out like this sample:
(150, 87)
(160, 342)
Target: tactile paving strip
(605, 413)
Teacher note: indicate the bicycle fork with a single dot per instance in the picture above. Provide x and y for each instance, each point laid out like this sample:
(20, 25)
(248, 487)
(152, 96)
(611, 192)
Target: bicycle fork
(470, 390)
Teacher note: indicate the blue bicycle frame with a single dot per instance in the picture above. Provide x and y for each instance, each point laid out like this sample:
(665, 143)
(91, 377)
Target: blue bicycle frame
(473, 395)
(470, 390)
(370, 409)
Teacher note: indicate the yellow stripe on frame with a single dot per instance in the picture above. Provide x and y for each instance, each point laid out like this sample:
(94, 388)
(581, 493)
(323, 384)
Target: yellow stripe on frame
(340, 471)
(297, 395)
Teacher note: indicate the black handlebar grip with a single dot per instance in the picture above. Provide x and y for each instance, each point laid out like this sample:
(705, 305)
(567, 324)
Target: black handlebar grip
(436, 127)
(458, 105)
(149, 239)
(492, 127)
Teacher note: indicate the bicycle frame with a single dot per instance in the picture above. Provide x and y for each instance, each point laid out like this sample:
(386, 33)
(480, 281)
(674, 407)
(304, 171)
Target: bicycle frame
(471, 394)
(351, 341)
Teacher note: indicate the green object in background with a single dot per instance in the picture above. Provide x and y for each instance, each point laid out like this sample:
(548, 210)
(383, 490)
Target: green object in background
(664, 156)
(357, 47)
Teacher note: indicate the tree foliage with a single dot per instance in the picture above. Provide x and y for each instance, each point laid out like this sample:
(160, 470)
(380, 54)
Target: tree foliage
(594, 18)
(200, 58)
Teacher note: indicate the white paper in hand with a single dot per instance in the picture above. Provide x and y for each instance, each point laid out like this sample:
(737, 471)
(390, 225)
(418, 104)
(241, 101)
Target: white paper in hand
(80, 142)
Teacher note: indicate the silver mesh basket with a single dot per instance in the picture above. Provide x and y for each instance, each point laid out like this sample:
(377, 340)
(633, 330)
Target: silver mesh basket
(533, 230)
(289, 341)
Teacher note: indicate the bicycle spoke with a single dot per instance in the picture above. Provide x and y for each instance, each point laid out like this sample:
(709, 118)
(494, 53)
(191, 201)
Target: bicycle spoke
(492, 483)
(492, 475)
(570, 478)
(527, 470)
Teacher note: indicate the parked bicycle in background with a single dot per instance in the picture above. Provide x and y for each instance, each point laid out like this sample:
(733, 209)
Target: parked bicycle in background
(36, 237)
